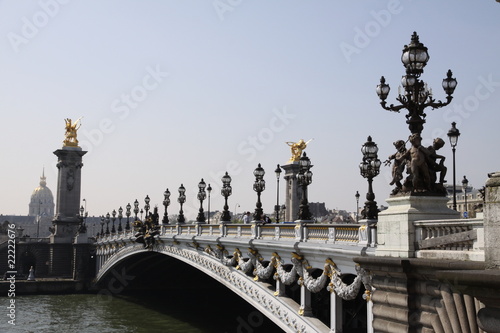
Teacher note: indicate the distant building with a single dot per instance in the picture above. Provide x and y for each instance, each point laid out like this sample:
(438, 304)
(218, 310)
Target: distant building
(40, 214)
(474, 200)
(318, 209)
(42, 200)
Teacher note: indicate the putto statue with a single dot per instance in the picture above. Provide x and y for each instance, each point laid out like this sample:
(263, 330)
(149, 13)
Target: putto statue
(421, 167)
(71, 129)
(296, 149)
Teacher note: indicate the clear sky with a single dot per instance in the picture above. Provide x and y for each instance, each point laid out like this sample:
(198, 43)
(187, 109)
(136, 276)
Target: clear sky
(174, 91)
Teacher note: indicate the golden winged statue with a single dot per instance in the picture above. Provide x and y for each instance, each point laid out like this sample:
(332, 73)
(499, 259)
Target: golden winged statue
(70, 135)
(296, 149)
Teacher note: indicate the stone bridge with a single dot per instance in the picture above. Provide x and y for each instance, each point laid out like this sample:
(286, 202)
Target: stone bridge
(259, 262)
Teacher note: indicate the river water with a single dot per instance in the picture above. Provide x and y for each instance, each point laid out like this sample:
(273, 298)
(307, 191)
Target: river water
(133, 313)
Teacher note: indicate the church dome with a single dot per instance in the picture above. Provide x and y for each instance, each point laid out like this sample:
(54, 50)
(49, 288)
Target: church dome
(42, 200)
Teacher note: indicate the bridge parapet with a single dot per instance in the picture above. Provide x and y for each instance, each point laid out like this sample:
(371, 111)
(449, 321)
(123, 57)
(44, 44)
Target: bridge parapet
(459, 239)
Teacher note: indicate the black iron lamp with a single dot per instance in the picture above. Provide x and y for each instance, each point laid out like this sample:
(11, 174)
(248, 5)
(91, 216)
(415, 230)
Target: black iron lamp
(201, 196)
(277, 207)
(369, 169)
(166, 203)
(136, 208)
(304, 179)
(258, 186)
(113, 230)
(146, 206)
(465, 183)
(120, 216)
(182, 199)
(107, 223)
(209, 190)
(453, 134)
(128, 207)
(416, 96)
(226, 191)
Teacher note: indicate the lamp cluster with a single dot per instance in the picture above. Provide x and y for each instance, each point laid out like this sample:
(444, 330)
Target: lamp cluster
(416, 96)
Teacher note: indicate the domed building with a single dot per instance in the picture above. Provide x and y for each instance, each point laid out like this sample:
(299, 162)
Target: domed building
(42, 200)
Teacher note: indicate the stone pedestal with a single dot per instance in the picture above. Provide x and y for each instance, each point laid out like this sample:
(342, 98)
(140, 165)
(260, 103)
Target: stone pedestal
(293, 194)
(395, 230)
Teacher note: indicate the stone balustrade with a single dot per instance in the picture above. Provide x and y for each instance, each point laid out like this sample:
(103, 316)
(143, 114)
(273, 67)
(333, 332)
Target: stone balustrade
(460, 239)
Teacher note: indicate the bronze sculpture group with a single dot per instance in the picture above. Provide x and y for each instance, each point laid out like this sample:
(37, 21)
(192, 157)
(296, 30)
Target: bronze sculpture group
(421, 164)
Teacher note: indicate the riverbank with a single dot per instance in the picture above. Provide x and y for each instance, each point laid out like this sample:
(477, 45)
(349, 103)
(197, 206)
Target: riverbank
(43, 286)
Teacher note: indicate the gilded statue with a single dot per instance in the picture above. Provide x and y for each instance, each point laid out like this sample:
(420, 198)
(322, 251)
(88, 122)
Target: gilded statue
(71, 129)
(296, 149)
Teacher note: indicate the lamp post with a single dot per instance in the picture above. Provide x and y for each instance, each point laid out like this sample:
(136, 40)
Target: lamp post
(102, 226)
(181, 200)
(465, 183)
(226, 191)
(113, 230)
(166, 203)
(304, 179)
(128, 207)
(120, 216)
(416, 95)
(370, 168)
(201, 196)
(107, 224)
(453, 134)
(258, 186)
(357, 206)
(277, 207)
(136, 208)
(146, 206)
(209, 190)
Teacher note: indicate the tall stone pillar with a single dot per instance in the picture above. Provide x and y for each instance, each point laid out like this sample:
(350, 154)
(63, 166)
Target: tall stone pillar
(67, 218)
(292, 191)
(492, 221)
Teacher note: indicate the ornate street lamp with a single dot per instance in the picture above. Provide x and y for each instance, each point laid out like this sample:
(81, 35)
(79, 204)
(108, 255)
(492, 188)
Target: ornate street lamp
(258, 186)
(128, 207)
(113, 230)
(202, 195)
(357, 206)
(304, 179)
(166, 203)
(370, 168)
(209, 189)
(181, 200)
(416, 95)
(226, 191)
(102, 226)
(120, 216)
(277, 207)
(136, 208)
(465, 183)
(453, 134)
(107, 224)
(146, 206)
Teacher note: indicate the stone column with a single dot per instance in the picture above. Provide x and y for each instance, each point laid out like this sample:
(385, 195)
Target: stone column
(336, 317)
(492, 221)
(67, 219)
(292, 191)
(305, 301)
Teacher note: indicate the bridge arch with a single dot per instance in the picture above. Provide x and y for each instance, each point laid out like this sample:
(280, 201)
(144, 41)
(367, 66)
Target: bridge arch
(285, 312)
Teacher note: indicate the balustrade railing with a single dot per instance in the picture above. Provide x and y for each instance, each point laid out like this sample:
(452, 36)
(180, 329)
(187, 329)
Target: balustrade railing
(353, 234)
(457, 235)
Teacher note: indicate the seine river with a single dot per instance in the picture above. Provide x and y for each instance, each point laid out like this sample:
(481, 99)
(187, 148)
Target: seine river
(151, 312)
